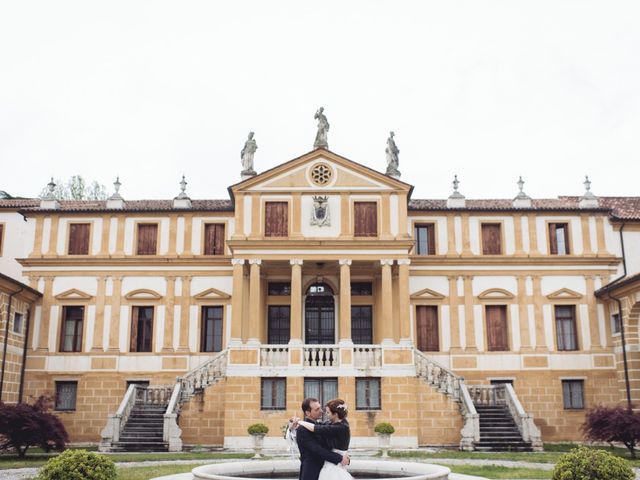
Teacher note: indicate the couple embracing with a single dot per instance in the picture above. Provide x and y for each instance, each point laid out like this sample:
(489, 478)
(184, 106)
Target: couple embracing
(323, 446)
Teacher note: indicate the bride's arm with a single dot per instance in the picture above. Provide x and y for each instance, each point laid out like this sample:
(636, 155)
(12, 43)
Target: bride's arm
(308, 425)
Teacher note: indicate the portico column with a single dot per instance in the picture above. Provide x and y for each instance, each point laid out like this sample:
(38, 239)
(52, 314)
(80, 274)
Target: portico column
(296, 302)
(236, 301)
(254, 301)
(345, 301)
(403, 300)
(387, 305)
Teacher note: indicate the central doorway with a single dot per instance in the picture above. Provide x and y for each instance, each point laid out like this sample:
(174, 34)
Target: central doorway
(320, 315)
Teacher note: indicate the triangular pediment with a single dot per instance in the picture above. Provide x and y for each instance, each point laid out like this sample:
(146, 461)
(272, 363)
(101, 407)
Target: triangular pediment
(496, 294)
(427, 294)
(320, 171)
(143, 294)
(212, 294)
(564, 294)
(73, 294)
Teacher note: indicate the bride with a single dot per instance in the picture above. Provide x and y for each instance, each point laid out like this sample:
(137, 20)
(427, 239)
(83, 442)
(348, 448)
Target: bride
(337, 434)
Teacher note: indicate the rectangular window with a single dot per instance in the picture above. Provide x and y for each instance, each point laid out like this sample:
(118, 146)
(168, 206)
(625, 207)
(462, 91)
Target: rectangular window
(615, 323)
(274, 394)
(279, 324)
(211, 329)
(566, 333)
(365, 219)
(425, 239)
(147, 238)
(279, 289)
(361, 289)
(497, 331)
(573, 394)
(324, 389)
(559, 238)
(362, 324)
(276, 219)
(427, 329)
(71, 335)
(214, 239)
(368, 394)
(18, 323)
(141, 329)
(66, 393)
(79, 238)
(491, 239)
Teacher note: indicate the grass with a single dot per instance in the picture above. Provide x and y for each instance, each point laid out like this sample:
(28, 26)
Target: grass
(145, 473)
(493, 471)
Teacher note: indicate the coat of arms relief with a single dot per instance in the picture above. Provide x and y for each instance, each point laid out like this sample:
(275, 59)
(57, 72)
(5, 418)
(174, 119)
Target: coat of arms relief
(320, 211)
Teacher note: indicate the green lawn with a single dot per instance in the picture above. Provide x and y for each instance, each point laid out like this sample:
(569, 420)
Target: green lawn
(493, 471)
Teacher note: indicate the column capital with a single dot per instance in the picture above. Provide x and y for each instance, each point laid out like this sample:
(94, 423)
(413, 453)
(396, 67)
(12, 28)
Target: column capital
(237, 261)
(345, 261)
(404, 261)
(453, 278)
(255, 261)
(386, 261)
(296, 261)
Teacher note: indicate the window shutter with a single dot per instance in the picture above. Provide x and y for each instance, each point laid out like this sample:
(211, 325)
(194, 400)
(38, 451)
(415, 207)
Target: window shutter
(491, 239)
(78, 239)
(365, 219)
(553, 242)
(427, 328)
(276, 219)
(497, 333)
(147, 238)
(134, 329)
(214, 239)
(431, 236)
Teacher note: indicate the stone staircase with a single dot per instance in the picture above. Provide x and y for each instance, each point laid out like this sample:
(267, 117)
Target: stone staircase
(143, 431)
(498, 431)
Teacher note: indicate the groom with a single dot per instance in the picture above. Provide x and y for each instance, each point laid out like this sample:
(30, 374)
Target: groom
(313, 452)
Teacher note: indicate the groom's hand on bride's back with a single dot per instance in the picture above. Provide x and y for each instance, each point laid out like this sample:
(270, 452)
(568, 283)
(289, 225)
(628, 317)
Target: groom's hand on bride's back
(345, 460)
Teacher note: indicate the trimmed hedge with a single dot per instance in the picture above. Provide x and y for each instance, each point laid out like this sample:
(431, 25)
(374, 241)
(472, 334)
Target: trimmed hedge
(591, 464)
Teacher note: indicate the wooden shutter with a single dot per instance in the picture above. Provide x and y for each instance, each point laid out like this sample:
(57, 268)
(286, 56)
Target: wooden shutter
(427, 328)
(214, 239)
(1, 236)
(147, 238)
(78, 239)
(365, 219)
(431, 239)
(276, 219)
(133, 346)
(497, 335)
(553, 241)
(491, 239)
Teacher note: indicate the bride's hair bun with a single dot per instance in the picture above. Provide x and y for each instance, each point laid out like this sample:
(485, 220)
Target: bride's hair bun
(338, 406)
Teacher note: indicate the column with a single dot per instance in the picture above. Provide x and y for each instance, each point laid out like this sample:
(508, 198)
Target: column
(53, 236)
(296, 204)
(296, 302)
(167, 342)
(37, 243)
(188, 235)
(586, 235)
(466, 235)
(47, 301)
(594, 331)
(185, 301)
(454, 301)
(451, 235)
(120, 237)
(403, 301)
(98, 328)
(173, 235)
(345, 301)
(254, 301)
(385, 216)
(469, 320)
(387, 305)
(114, 328)
(104, 239)
(345, 213)
(236, 301)
(541, 344)
(523, 313)
(533, 235)
(517, 224)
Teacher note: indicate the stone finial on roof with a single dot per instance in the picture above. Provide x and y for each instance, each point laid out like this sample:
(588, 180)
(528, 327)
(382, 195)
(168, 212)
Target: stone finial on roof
(522, 200)
(182, 200)
(456, 199)
(588, 200)
(116, 200)
(49, 201)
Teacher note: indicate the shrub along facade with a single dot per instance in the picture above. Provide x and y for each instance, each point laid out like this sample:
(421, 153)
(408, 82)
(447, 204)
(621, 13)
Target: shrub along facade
(323, 277)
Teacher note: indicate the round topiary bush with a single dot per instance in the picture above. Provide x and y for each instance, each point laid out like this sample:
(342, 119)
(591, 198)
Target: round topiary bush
(384, 428)
(78, 465)
(591, 464)
(258, 429)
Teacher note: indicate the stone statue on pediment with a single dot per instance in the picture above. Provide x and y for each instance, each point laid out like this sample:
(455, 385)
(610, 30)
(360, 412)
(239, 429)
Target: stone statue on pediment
(249, 149)
(323, 129)
(392, 152)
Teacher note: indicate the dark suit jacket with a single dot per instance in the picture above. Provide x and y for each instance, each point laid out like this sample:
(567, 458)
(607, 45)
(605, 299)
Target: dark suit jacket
(313, 453)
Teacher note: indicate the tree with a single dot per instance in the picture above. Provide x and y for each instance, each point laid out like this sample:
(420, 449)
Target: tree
(76, 188)
(613, 424)
(23, 426)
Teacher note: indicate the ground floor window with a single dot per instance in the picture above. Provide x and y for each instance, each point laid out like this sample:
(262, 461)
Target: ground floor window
(368, 394)
(66, 393)
(324, 389)
(573, 394)
(274, 394)
(17, 323)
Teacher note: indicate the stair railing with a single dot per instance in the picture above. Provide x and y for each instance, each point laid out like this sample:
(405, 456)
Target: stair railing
(171, 432)
(202, 376)
(470, 432)
(528, 429)
(489, 395)
(116, 421)
(437, 375)
(153, 394)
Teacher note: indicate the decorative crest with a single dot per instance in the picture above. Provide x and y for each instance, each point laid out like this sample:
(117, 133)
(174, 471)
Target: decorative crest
(320, 212)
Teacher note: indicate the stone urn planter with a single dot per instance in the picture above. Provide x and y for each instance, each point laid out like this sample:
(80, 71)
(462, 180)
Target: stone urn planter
(384, 431)
(258, 432)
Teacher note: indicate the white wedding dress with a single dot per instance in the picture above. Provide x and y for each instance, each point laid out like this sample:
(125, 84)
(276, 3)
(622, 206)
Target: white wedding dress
(331, 471)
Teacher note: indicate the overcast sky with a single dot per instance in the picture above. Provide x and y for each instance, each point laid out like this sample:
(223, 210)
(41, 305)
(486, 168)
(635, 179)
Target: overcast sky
(489, 90)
